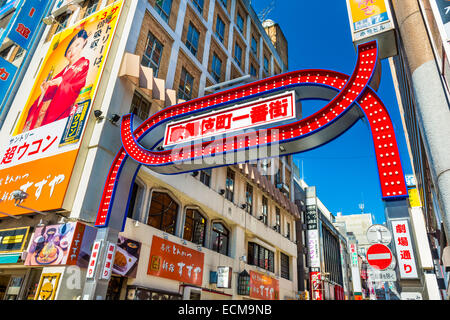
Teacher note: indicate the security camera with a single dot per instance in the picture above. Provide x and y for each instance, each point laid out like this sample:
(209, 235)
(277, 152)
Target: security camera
(19, 195)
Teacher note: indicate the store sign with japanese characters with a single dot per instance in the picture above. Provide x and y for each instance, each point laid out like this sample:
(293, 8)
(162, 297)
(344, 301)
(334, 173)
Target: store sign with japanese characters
(368, 18)
(264, 287)
(109, 261)
(38, 158)
(173, 261)
(90, 273)
(273, 109)
(316, 285)
(405, 253)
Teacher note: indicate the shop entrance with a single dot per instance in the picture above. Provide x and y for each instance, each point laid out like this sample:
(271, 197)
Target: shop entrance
(19, 284)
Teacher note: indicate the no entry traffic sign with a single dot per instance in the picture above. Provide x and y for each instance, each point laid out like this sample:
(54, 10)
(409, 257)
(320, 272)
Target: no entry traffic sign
(379, 256)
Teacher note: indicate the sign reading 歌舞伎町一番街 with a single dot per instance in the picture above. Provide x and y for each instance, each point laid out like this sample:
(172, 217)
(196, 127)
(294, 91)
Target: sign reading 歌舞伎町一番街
(40, 155)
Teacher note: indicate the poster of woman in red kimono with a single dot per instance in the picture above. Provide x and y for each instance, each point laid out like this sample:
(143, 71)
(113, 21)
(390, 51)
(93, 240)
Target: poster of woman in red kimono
(58, 94)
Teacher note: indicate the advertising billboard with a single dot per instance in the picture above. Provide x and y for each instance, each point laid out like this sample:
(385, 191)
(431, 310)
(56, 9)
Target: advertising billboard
(264, 287)
(173, 261)
(40, 154)
(404, 248)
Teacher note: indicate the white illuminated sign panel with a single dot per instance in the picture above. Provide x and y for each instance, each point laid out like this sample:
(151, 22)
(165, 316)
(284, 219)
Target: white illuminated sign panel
(405, 253)
(236, 118)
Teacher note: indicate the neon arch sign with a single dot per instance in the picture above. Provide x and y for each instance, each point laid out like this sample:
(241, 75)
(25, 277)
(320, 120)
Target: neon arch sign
(350, 99)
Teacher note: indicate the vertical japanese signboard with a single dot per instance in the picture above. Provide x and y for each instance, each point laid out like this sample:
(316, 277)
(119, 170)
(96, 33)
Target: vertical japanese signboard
(404, 249)
(40, 155)
(371, 19)
(173, 261)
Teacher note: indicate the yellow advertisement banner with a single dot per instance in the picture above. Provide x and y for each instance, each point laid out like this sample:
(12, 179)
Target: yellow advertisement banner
(39, 157)
(367, 13)
(414, 198)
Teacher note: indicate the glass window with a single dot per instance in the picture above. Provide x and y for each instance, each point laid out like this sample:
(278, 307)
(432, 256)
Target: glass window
(220, 238)
(277, 219)
(216, 67)
(252, 71)
(140, 106)
(249, 198)
(240, 23)
(62, 21)
(205, 176)
(266, 64)
(254, 46)
(288, 230)
(135, 204)
(163, 8)
(260, 256)
(265, 210)
(237, 54)
(152, 54)
(220, 29)
(194, 227)
(284, 265)
(229, 185)
(91, 7)
(192, 39)
(185, 87)
(163, 212)
(199, 5)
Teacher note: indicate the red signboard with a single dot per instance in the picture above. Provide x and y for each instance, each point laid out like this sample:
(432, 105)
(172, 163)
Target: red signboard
(316, 286)
(379, 256)
(250, 115)
(263, 287)
(173, 261)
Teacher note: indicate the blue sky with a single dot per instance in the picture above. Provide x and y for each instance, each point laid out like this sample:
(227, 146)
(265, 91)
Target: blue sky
(344, 170)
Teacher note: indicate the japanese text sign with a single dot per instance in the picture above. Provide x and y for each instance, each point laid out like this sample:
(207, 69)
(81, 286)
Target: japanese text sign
(7, 72)
(109, 261)
(231, 119)
(13, 240)
(39, 157)
(264, 287)
(316, 286)
(173, 261)
(30, 15)
(366, 13)
(93, 260)
(404, 248)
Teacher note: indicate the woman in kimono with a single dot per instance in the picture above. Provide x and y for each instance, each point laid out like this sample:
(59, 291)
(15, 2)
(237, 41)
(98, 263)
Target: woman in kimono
(60, 93)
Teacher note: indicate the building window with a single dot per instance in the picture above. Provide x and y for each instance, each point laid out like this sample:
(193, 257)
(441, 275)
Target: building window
(229, 185)
(134, 208)
(265, 210)
(252, 71)
(288, 230)
(240, 23)
(220, 29)
(220, 238)
(163, 8)
(163, 212)
(266, 64)
(216, 67)
(63, 20)
(237, 54)
(205, 176)
(192, 39)
(91, 7)
(152, 54)
(199, 5)
(140, 106)
(259, 256)
(277, 219)
(254, 46)
(194, 227)
(185, 87)
(249, 198)
(284, 266)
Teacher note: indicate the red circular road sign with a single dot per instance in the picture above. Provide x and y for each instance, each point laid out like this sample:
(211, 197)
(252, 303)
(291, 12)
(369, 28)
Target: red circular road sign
(379, 256)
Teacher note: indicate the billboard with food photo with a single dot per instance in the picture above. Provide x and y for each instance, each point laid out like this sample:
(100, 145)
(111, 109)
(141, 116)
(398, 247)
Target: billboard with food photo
(63, 244)
(50, 127)
(127, 257)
